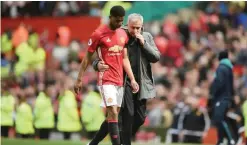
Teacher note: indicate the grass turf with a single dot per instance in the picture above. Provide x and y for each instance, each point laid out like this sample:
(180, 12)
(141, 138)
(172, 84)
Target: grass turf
(61, 142)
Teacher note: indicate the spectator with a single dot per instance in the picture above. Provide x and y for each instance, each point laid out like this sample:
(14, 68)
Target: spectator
(193, 133)
(91, 113)
(7, 109)
(68, 118)
(24, 118)
(44, 114)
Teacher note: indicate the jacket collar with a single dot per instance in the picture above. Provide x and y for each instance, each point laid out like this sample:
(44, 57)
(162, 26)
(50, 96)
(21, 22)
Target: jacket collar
(226, 62)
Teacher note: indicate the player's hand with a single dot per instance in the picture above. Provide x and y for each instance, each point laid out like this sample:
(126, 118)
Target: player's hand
(102, 66)
(77, 87)
(141, 38)
(135, 86)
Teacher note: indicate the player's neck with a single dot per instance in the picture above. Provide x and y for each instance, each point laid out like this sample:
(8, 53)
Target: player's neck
(111, 27)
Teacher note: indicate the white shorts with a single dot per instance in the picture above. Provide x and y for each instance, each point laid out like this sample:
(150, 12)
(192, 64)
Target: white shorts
(111, 95)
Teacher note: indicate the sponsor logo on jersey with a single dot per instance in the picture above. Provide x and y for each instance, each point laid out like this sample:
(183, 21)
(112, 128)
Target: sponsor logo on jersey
(115, 48)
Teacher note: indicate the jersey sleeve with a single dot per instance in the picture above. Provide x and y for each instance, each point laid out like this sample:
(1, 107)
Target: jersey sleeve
(93, 42)
(126, 38)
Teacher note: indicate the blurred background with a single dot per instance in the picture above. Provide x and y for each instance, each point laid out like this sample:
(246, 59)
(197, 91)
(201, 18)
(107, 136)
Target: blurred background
(43, 43)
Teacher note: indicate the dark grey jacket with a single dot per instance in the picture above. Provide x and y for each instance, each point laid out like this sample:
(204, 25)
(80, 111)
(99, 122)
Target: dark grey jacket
(148, 54)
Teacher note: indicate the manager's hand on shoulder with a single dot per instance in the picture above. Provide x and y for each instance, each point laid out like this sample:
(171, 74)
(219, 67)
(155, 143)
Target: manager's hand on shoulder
(102, 66)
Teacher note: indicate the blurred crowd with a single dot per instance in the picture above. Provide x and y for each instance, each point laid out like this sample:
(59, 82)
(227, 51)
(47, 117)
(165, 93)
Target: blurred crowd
(54, 8)
(45, 8)
(188, 40)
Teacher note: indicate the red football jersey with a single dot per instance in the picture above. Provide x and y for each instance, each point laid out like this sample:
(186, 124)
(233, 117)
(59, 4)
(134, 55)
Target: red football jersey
(109, 45)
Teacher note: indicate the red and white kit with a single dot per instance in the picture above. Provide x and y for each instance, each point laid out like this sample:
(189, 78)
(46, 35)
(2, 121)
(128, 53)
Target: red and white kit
(109, 45)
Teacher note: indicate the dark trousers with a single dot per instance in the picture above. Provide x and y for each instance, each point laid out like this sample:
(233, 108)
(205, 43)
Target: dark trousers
(219, 118)
(44, 133)
(66, 135)
(91, 134)
(175, 138)
(132, 114)
(5, 131)
(192, 139)
(25, 135)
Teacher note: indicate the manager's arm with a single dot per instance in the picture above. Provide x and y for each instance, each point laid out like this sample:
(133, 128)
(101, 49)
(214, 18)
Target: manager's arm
(150, 49)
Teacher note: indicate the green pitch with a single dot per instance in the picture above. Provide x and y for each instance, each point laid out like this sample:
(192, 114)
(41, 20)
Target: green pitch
(53, 142)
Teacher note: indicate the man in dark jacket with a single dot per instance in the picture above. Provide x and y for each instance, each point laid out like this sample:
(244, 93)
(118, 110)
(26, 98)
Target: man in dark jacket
(194, 132)
(222, 96)
(142, 52)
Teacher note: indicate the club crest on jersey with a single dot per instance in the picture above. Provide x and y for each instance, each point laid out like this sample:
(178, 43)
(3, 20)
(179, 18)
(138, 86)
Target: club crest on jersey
(109, 100)
(115, 48)
(108, 40)
(89, 42)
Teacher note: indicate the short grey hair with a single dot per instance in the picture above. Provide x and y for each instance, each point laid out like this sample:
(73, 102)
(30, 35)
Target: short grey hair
(134, 16)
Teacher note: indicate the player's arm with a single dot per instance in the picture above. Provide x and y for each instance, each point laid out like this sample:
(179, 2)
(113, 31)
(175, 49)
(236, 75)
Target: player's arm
(127, 67)
(128, 70)
(99, 65)
(93, 45)
(84, 64)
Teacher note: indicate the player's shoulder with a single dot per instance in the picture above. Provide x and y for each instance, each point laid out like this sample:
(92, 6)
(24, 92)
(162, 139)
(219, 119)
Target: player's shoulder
(124, 28)
(99, 31)
(122, 32)
(121, 29)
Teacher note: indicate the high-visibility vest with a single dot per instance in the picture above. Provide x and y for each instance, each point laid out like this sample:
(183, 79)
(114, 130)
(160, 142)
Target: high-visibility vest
(91, 113)
(244, 107)
(24, 119)
(43, 112)
(68, 117)
(7, 109)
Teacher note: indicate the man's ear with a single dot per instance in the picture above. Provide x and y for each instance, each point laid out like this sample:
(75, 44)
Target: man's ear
(142, 30)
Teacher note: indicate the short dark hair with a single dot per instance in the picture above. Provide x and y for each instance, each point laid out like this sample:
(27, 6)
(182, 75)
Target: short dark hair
(223, 54)
(117, 11)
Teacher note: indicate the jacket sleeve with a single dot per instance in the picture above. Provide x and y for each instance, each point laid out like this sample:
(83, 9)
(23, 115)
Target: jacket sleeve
(95, 64)
(218, 82)
(150, 49)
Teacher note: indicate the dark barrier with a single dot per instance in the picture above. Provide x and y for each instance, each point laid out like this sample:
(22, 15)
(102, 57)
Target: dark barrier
(211, 137)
